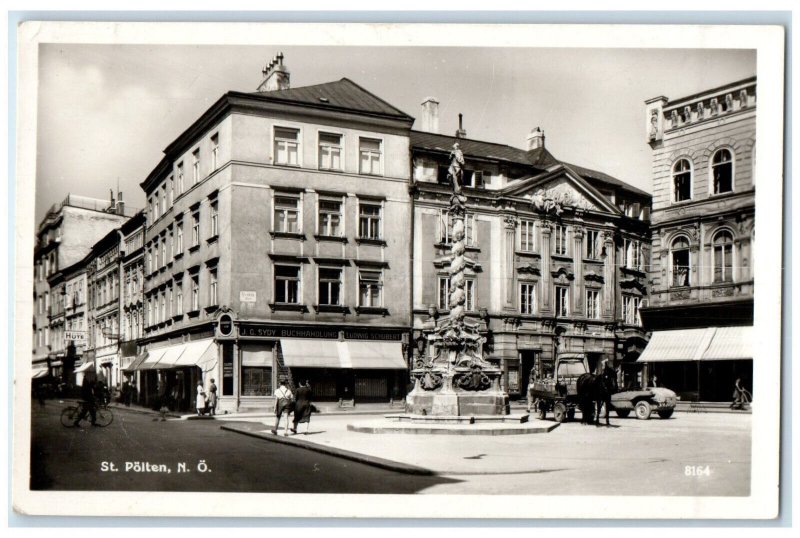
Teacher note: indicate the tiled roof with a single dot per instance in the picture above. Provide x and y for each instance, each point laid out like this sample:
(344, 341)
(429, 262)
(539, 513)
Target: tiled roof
(539, 158)
(471, 148)
(342, 94)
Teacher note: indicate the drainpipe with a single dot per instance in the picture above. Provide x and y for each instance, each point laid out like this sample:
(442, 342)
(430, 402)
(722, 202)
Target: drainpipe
(411, 344)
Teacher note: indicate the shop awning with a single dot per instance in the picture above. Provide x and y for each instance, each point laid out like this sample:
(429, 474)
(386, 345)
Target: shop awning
(84, 367)
(307, 353)
(135, 363)
(39, 373)
(376, 355)
(360, 355)
(709, 343)
(201, 353)
(730, 343)
(152, 358)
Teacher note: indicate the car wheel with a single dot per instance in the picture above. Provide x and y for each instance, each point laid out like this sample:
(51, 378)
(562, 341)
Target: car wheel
(623, 413)
(560, 412)
(665, 413)
(643, 410)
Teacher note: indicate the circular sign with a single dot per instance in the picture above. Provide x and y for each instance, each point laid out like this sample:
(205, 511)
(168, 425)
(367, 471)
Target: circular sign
(225, 325)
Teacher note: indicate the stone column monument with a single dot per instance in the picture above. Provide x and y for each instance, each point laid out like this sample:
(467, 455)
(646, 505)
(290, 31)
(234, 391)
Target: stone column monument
(451, 376)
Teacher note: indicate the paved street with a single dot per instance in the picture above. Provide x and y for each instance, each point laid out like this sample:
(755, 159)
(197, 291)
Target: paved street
(632, 457)
(71, 459)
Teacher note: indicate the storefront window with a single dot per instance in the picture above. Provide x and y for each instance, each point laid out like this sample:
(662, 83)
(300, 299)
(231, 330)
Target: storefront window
(257, 370)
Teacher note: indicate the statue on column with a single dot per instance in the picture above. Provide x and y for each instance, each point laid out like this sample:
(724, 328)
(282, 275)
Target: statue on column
(456, 170)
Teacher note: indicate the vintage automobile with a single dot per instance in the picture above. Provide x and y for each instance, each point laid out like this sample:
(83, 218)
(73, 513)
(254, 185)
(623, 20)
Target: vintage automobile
(644, 402)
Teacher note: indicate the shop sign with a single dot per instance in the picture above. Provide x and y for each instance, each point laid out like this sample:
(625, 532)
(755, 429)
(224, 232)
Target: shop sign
(227, 369)
(79, 337)
(287, 332)
(355, 334)
(225, 325)
(247, 296)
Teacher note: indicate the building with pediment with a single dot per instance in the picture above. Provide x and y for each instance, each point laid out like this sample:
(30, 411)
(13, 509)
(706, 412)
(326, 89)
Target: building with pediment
(557, 253)
(701, 308)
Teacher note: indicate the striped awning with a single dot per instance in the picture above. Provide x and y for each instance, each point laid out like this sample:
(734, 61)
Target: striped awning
(151, 359)
(730, 343)
(200, 353)
(355, 354)
(706, 344)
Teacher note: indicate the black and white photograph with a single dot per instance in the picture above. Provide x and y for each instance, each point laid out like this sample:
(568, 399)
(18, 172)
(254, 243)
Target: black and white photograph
(403, 270)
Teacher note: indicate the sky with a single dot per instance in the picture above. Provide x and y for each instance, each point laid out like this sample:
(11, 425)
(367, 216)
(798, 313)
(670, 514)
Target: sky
(106, 112)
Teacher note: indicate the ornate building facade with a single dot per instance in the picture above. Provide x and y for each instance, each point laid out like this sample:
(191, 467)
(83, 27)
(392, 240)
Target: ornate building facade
(556, 253)
(701, 307)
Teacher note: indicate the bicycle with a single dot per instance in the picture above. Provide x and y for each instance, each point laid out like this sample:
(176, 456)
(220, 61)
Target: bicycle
(103, 415)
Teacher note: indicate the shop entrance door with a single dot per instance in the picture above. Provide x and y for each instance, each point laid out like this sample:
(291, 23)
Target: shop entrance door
(345, 388)
(527, 360)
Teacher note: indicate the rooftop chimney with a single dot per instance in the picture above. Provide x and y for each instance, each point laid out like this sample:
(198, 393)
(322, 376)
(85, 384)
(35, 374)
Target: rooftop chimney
(120, 204)
(461, 133)
(430, 115)
(536, 139)
(276, 75)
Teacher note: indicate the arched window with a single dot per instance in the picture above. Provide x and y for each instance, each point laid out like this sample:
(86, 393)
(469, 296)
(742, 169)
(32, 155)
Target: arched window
(722, 171)
(682, 180)
(681, 262)
(723, 257)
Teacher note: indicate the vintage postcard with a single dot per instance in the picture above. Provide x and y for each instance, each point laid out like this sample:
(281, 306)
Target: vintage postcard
(370, 270)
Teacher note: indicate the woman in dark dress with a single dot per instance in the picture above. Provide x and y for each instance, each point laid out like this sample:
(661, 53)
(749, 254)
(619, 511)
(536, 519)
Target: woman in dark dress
(302, 406)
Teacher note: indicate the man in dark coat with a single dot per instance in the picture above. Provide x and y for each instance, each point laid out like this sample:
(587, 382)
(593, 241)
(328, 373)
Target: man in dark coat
(302, 406)
(89, 400)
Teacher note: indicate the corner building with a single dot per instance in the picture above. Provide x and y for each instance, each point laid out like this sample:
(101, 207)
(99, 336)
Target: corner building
(701, 309)
(557, 253)
(276, 244)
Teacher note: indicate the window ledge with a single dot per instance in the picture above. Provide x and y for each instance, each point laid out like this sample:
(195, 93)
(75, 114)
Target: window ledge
(288, 307)
(561, 257)
(370, 241)
(331, 308)
(178, 256)
(333, 238)
(448, 246)
(177, 317)
(632, 271)
(528, 253)
(211, 308)
(287, 235)
(372, 310)
(194, 248)
(212, 239)
(287, 165)
(193, 313)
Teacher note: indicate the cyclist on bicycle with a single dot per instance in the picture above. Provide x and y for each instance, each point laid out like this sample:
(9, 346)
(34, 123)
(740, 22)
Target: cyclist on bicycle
(89, 403)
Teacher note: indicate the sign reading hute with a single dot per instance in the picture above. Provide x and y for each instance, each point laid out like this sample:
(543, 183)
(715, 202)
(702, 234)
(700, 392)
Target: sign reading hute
(79, 337)
(247, 296)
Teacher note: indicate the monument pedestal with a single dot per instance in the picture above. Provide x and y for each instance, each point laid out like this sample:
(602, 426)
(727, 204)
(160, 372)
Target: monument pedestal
(432, 403)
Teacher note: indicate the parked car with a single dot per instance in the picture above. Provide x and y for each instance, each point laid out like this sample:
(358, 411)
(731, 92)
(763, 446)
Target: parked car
(644, 402)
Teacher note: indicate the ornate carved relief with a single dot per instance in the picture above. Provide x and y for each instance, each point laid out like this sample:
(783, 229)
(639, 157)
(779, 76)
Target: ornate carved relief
(722, 292)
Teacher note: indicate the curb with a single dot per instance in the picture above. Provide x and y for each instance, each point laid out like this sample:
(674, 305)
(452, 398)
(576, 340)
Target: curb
(337, 452)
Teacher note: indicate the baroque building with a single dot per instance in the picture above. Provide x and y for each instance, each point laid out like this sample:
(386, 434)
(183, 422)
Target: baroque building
(701, 307)
(556, 253)
(275, 245)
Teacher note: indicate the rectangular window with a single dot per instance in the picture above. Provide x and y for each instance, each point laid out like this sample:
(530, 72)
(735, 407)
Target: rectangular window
(164, 199)
(444, 294)
(330, 285)
(163, 251)
(212, 286)
(562, 301)
(178, 297)
(196, 292)
(287, 284)
(560, 240)
(154, 206)
(330, 217)
(195, 167)
(446, 228)
(171, 199)
(593, 246)
(214, 151)
(179, 239)
(287, 146)
(630, 310)
(370, 285)
(196, 228)
(527, 235)
(170, 302)
(369, 225)
(369, 151)
(181, 181)
(286, 214)
(592, 304)
(171, 246)
(214, 218)
(330, 151)
(527, 298)
(163, 307)
(633, 254)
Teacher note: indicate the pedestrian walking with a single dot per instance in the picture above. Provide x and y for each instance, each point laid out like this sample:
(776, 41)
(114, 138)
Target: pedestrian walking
(212, 398)
(302, 406)
(200, 400)
(284, 402)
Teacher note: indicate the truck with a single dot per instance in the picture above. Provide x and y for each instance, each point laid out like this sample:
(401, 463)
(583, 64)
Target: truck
(559, 393)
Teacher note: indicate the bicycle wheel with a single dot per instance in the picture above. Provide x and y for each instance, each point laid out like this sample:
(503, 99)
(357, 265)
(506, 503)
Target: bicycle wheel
(68, 416)
(104, 417)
